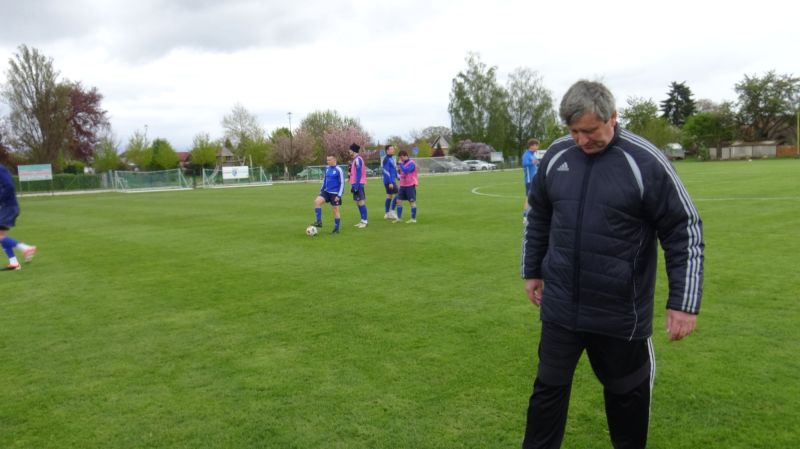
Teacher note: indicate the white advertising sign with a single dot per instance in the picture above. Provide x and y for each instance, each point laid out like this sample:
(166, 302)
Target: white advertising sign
(39, 172)
(242, 172)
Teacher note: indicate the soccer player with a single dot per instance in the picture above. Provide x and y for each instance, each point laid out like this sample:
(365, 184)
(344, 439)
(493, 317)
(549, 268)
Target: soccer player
(408, 186)
(358, 179)
(330, 192)
(530, 163)
(9, 211)
(390, 183)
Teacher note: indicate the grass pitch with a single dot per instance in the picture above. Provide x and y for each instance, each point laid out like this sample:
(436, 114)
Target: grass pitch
(208, 319)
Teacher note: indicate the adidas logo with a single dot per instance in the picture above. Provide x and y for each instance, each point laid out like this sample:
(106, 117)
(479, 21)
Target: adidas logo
(563, 167)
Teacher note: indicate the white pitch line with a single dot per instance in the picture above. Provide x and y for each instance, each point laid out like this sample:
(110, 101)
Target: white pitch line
(476, 192)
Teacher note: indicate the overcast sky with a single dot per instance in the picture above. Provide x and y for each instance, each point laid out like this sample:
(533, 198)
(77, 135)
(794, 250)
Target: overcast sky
(179, 66)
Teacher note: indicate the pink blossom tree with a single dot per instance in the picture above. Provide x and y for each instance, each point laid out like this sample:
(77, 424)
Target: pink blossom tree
(293, 151)
(338, 141)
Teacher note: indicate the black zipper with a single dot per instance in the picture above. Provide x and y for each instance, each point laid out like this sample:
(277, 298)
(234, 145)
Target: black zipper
(577, 256)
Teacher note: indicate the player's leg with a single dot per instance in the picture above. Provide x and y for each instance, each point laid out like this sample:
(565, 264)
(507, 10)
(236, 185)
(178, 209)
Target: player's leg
(337, 218)
(361, 200)
(559, 351)
(318, 202)
(387, 205)
(627, 370)
(412, 201)
(8, 245)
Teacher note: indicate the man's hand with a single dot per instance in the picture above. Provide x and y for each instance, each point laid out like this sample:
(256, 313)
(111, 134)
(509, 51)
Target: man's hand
(679, 324)
(533, 287)
(391, 186)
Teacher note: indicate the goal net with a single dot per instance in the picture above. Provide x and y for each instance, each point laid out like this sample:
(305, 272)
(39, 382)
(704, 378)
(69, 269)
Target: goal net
(241, 176)
(149, 181)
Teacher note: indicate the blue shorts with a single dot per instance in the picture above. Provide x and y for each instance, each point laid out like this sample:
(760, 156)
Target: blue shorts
(8, 217)
(332, 198)
(358, 194)
(408, 193)
(391, 191)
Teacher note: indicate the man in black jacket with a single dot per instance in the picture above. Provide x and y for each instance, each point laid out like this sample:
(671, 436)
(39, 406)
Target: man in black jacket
(602, 199)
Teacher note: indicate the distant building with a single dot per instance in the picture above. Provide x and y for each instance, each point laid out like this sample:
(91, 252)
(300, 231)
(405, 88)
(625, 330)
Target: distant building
(183, 158)
(440, 145)
(225, 158)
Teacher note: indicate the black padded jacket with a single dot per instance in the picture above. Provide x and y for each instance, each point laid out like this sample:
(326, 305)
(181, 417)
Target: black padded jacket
(592, 232)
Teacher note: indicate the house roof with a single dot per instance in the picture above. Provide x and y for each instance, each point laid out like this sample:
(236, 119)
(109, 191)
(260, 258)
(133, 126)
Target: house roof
(439, 140)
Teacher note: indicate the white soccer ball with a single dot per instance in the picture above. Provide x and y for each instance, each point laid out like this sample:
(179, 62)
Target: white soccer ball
(311, 231)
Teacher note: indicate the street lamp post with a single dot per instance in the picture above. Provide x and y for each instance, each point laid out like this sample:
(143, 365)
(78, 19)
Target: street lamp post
(291, 145)
(290, 130)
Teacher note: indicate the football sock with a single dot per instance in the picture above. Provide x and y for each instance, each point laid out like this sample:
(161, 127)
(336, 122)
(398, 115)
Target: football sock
(387, 205)
(318, 213)
(394, 203)
(8, 246)
(22, 247)
(414, 212)
(363, 211)
(399, 212)
(13, 261)
(336, 222)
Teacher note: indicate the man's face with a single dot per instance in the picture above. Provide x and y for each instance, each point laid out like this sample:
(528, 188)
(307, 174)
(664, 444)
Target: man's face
(390, 150)
(331, 161)
(533, 147)
(591, 133)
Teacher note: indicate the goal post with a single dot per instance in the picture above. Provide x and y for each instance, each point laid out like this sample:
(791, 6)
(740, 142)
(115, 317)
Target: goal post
(149, 181)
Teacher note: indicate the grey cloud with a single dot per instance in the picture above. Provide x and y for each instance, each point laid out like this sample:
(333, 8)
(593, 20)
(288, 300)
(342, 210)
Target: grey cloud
(38, 21)
(143, 30)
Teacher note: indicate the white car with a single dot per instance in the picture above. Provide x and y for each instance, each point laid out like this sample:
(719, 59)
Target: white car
(475, 165)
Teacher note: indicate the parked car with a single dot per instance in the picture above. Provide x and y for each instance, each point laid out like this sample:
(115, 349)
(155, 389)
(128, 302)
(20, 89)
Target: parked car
(447, 167)
(674, 151)
(475, 165)
(311, 173)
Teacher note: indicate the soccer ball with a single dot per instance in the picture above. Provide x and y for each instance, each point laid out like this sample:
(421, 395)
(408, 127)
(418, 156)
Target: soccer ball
(311, 231)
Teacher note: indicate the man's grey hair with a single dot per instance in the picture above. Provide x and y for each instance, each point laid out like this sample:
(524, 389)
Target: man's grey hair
(586, 97)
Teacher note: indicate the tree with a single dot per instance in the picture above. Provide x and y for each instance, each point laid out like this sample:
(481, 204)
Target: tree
(164, 156)
(338, 141)
(767, 105)
(709, 129)
(87, 121)
(468, 149)
(256, 151)
(478, 105)
(293, 151)
(431, 133)
(424, 148)
(639, 112)
(317, 123)
(679, 105)
(530, 106)
(39, 106)
(204, 151)
(280, 132)
(5, 148)
(398, 142)
(106, 156)
(138, 151)
(240, 127)
(641, 117)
